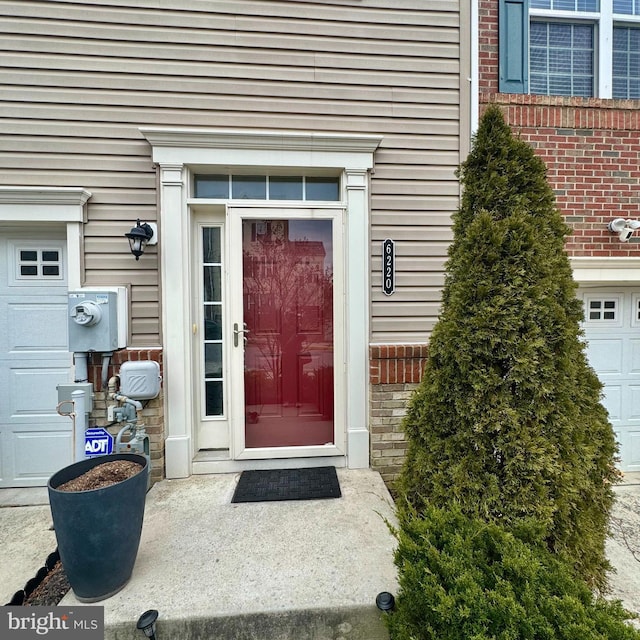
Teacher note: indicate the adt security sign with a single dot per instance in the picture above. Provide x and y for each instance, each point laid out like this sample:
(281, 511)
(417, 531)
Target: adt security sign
(97, 442)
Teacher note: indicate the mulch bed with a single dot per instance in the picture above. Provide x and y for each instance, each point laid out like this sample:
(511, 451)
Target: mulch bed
(54, 585)
(51, 590)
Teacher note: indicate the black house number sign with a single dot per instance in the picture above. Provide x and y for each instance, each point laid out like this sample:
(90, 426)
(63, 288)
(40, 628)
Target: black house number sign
(388, 267)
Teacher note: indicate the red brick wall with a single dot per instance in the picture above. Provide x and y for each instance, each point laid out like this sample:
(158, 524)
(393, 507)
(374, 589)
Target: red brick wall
(591, 148)
(395, 371)
(488, 46)
(397, 364)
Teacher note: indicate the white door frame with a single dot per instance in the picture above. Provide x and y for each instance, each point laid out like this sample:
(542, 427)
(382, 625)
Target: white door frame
(210, 432)
(176, 151)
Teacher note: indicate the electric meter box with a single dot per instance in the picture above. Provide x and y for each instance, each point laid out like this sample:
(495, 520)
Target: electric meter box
(140, 380)
(98, 319)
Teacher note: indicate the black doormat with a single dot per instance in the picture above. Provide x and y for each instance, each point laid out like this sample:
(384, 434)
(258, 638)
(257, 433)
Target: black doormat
(287, 484)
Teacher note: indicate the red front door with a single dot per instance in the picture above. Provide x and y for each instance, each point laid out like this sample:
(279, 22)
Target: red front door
(288, 332)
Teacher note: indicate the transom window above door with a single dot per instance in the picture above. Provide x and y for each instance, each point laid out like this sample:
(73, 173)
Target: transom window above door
(263, 187)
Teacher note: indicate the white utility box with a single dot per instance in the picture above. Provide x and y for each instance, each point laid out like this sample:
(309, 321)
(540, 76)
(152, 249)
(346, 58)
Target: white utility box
(140, 380)
(98, 319)
(65, 390)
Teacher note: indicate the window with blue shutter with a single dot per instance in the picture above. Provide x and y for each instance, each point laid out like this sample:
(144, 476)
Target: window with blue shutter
(551, 47)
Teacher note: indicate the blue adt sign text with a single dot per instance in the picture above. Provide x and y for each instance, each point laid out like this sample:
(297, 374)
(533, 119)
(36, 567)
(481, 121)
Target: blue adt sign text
(97, 442)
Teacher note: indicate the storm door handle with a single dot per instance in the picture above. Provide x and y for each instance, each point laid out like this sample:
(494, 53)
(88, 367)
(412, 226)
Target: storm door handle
(237, 332)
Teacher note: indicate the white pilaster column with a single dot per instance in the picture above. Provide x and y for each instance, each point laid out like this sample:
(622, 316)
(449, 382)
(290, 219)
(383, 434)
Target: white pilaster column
(174, 260)
(357, 343)
(74, 255)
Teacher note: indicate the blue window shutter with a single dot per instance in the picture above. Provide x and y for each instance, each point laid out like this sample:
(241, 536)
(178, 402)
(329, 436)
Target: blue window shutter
(513, 46)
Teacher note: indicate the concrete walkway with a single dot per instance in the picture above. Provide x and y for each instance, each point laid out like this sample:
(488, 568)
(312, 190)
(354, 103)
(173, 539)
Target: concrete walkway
(271, 571)
(623, 547)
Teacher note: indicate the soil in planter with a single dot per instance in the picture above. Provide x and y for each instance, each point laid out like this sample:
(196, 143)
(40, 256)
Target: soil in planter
(102, 475)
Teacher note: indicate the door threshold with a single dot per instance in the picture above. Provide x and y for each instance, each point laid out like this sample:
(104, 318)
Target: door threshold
(204, 463)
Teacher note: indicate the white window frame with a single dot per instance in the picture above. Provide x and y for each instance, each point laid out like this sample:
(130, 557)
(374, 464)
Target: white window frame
(39, 248)
(635, 310)
(603, 322)
(603, 22)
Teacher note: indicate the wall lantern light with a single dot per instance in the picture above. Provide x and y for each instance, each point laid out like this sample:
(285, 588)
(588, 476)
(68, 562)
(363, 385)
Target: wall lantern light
(624, 228)
(140, 236)
(147, 623)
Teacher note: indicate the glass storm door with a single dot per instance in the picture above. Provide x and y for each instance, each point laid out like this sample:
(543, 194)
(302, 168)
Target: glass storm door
(286, 331)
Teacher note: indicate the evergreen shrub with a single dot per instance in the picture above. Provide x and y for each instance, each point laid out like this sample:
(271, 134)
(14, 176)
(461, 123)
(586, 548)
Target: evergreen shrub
(462, 578)
(507, 422)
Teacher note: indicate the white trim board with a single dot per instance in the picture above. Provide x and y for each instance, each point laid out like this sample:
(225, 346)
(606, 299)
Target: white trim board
(605, 270)
(64, 205)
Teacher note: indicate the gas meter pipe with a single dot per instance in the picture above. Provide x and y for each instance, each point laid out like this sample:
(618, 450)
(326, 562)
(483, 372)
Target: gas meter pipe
(106, 359)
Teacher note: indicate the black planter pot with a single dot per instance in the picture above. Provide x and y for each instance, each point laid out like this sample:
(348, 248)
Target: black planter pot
(98, 531)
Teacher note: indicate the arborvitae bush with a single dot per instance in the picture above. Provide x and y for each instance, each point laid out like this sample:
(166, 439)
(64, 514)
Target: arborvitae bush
(507, 422)
(462, 578)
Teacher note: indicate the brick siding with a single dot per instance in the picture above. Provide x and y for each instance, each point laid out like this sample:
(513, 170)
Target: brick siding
(590, 146)
(395, 371)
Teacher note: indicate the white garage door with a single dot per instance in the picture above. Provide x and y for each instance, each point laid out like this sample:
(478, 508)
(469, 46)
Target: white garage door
(34, 440)
(612, 330)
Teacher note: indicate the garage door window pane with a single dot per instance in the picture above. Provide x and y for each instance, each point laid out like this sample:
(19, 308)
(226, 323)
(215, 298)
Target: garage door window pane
(36, 264)
(603, 309)
(28, 270)
(50, 270)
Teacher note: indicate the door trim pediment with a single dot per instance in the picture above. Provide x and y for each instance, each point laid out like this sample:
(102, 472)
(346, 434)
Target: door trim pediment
(176, 151)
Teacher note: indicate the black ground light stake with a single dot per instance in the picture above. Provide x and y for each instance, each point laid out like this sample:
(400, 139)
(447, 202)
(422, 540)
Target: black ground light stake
(147, 623)
(385, 602)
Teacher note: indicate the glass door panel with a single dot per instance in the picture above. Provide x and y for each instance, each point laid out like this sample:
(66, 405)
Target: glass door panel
(288, 332)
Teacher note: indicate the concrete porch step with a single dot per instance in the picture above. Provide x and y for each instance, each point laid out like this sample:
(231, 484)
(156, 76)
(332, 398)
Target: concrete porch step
(353, 624)
(297, 570)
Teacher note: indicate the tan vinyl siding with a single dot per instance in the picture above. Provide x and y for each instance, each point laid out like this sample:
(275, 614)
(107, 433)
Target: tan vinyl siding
(80, 77)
